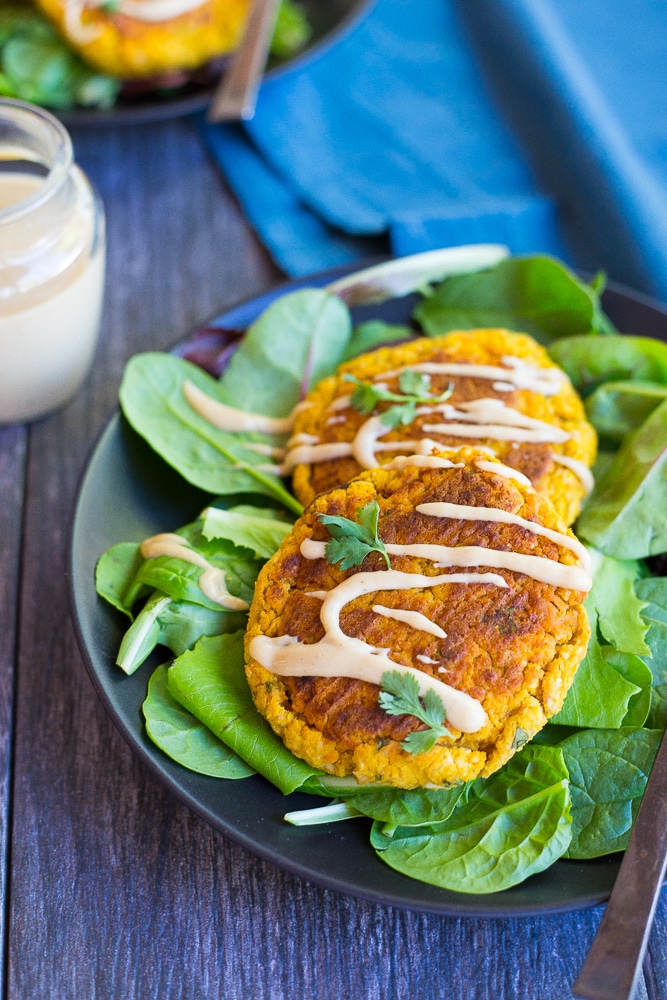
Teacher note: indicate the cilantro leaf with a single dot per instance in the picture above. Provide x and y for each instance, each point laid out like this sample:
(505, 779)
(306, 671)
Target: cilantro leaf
(414, 390)
(414, 383)
(351, 541)
(399, 695)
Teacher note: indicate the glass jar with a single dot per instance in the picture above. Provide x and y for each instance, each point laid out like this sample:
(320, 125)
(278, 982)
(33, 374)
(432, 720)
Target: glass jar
(52, 256)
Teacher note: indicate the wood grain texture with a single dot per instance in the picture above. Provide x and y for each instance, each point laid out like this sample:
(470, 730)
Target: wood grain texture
(117, 891)
(13, 445)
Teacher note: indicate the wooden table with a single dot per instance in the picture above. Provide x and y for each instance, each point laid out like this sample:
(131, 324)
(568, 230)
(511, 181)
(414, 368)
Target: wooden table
(113, 890)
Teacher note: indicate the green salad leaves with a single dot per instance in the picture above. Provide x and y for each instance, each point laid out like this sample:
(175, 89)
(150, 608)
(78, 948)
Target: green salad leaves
(37, 65)
(573, 792)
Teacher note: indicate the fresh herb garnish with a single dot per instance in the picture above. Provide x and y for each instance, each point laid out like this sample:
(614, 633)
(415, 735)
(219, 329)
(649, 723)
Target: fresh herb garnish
(414, 390)
(351, 541)
(399, 695)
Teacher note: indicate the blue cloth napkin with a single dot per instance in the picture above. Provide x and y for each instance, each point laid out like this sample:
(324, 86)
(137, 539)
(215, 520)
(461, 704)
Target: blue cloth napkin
(388, 139)
(441, 122)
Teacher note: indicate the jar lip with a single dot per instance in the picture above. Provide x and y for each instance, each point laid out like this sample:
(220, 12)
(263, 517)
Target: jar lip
(61, 155)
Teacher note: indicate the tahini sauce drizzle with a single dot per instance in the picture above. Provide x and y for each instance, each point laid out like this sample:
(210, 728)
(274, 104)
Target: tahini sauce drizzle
(477, 418)
(212, 581)
(518, 374)
(340, 655)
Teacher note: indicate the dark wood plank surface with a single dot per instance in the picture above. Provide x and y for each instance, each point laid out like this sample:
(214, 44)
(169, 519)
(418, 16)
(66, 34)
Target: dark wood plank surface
(116, 891)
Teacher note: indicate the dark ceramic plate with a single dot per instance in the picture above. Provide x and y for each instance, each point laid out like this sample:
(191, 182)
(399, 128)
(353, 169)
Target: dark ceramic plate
(128, 493)
(330, 19)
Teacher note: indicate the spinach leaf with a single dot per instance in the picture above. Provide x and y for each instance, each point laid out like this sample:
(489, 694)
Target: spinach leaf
(184, 738)
(626, 516)
(589, 361)
(513, 824)
(418, 807)
(115, 574)
(616, 409)
(297, 341)
(151, 396)
(210, 682)
(375, 333)
(634, 670)
(618, 608)
(536, 295)
(608, 773)
(654, 591)
(599, 696)
(260, 530)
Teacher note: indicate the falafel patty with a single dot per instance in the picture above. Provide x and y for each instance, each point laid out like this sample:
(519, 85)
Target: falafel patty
(143, 38)
(506, 395)
(483, 604)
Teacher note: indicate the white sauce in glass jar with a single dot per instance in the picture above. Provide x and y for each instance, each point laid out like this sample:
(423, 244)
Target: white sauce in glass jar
(51, 266)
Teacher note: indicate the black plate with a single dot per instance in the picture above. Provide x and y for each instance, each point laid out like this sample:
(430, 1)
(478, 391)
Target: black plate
(127, 493)
(330, 20)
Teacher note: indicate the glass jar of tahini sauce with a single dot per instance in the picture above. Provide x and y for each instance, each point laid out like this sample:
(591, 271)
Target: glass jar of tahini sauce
(52, 257)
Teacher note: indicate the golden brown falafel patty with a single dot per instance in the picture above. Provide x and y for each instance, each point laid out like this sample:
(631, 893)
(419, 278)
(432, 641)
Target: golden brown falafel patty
(515, 650)
(548, 464)
(125, 44)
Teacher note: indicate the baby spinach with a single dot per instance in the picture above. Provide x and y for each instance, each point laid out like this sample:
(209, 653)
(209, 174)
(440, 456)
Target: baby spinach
(297, 341)
(419, 807)
(513, 824)
(635, 671)
(599, 696)
(589, 361)
(608, 772)
(616, 409)
(653, 590)
(210, 682)
(184, 738)
(535, 295)
(375, 333)
(626, 515)
(617, 605)
(151, 396)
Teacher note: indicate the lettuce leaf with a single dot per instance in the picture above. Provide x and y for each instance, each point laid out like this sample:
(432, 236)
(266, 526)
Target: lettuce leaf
(183, 738)
(210, 682)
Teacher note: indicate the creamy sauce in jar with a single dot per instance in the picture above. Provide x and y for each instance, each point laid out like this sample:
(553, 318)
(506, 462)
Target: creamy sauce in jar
(51, 286)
